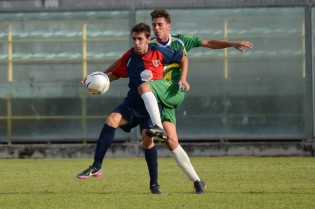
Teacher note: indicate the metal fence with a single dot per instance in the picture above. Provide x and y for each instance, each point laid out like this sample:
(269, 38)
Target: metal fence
(264, 94)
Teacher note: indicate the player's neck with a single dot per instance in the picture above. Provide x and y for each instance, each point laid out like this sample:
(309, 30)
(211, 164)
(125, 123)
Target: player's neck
(143, 51)
(163, 40)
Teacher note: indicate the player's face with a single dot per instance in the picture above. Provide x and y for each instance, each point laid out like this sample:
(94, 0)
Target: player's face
(161, 29)
(140, 42)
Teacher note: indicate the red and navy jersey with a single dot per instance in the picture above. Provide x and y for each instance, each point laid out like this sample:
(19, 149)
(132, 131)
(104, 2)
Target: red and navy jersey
(146, 67)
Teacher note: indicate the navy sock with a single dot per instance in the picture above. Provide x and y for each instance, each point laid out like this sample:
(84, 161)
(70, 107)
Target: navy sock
(151, 158)
(104, 141)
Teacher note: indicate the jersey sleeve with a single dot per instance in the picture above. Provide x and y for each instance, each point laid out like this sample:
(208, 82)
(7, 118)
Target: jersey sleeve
(190, 41)
(121, 69)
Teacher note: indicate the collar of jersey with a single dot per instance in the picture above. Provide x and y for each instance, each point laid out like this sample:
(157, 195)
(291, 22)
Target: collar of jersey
(168, 43)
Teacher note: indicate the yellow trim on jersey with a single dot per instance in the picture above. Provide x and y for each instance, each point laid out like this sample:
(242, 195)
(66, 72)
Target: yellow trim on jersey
(168, 75)
(173, 65)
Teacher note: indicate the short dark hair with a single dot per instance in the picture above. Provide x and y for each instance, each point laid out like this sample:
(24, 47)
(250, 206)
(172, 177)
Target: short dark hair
(161, 13)
(142, 28)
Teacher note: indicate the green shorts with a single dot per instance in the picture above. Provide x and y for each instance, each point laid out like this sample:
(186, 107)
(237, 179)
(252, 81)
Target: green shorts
(168, 94)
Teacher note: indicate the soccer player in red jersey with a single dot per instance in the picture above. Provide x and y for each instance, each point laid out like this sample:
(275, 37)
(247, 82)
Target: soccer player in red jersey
(140, 64)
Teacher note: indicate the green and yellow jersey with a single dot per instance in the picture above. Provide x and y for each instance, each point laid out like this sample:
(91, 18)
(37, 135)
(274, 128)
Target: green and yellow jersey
(166, 90)
(178, 42)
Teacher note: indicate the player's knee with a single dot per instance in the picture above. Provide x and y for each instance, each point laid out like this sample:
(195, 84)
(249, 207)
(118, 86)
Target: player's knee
(147, 142)
(172, 143)
(144, 87)
(113, 120)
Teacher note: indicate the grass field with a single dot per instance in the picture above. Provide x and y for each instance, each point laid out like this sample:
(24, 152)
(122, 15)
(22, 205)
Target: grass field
(232, 182)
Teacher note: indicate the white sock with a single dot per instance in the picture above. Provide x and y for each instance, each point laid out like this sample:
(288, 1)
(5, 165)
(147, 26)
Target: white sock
(152, 107)
(184, 163)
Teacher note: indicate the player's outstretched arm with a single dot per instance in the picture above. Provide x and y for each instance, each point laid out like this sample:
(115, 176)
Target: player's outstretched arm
(221, 44)
(183, 84)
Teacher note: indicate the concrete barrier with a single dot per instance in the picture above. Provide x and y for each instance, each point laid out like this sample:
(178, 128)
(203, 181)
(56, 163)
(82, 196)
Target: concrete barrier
(125, 150)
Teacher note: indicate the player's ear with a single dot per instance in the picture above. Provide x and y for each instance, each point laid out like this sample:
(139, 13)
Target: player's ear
(169, 26)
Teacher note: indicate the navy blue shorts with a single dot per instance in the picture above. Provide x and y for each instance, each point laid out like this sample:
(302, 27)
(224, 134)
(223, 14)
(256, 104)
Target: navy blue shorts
(136, 114)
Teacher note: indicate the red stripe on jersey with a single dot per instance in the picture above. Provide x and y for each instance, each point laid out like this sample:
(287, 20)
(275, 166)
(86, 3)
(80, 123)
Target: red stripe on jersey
(153, 61)
(121, 69)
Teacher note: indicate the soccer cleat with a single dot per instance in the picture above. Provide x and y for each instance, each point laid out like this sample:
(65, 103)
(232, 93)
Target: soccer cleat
(156, 131)
(200, 186)
(155, 189)
(91, 171)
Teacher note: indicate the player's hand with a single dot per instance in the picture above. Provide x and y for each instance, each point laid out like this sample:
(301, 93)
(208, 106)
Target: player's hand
(184, 86)
(83, 81)
(239, 45)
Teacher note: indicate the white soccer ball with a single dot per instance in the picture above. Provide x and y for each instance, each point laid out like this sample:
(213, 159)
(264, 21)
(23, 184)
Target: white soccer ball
(97, 83)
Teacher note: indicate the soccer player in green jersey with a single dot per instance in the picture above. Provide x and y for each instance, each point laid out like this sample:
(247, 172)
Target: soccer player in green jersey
(167, 92)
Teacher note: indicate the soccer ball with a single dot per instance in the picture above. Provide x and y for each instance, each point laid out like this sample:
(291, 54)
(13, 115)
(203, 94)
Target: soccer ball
(97, 83)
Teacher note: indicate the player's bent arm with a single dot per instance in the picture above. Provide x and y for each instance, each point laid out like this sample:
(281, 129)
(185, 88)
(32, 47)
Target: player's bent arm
(112, 77)
(184, 71)
(112, 66)
(221, 44)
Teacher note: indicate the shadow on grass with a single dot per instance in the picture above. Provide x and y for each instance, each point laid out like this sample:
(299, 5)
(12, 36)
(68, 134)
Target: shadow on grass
(164, 193)
(52, 192)
(262, 192)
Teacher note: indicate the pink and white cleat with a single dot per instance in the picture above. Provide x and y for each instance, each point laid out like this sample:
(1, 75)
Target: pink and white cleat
(91, 171)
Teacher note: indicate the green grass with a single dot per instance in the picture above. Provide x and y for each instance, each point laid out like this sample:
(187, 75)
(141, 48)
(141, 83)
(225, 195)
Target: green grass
(232, 182)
